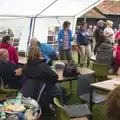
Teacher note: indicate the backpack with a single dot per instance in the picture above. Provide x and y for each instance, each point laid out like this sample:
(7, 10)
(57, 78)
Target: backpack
(70, 69)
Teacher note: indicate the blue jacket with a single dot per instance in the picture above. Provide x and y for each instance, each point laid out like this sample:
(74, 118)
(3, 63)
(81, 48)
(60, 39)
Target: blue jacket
(61, 37)
(47, 52)
(82, 38)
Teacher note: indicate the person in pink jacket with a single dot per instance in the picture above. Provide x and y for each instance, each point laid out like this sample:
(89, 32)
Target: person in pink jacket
(7, 44)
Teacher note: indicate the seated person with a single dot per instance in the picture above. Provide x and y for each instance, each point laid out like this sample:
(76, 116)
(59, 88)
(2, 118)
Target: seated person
(47, 51)
(117, 57)
(113, 104)
(37, 73)
(9, 72)
(7, 44)
(105, 55)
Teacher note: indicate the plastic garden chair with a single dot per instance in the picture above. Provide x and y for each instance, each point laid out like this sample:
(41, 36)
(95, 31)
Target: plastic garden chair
(9, 92)
(61, 113)
(101, 71)
(84, 82)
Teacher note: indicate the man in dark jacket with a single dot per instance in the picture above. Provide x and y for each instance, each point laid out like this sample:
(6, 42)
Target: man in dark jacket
(10, 73)
(97, 34)
(84, 44)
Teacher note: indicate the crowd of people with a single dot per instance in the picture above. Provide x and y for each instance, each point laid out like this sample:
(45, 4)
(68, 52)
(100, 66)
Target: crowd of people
(106, 48)
(37, 71)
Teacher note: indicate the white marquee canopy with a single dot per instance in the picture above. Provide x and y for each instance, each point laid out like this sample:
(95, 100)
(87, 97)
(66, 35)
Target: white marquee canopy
(43, 13)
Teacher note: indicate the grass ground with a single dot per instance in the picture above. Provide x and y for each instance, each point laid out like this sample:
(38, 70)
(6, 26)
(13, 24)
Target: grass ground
(98, 109)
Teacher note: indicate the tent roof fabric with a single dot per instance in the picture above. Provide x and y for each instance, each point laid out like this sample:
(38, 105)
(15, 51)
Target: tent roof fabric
(40, 8)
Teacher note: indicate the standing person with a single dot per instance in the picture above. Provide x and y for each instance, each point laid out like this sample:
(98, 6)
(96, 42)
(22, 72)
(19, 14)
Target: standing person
(117, 57)
(7, 44)
(90, 31)
(108, 32)
(117, 35)
(97, 34)
(64, 42)
(94, 28)
(84, 44)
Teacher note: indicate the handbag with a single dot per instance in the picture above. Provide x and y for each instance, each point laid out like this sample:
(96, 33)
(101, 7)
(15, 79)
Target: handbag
(71, 69)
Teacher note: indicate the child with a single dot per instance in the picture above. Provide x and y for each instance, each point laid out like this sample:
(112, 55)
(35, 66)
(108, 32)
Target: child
(113, 104)
(117, 57)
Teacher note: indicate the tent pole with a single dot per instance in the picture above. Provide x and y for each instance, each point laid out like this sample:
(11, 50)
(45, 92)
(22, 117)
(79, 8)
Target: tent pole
(33, 27)
(30, 31)
(46, 7)
(74, 25)
(58, 21)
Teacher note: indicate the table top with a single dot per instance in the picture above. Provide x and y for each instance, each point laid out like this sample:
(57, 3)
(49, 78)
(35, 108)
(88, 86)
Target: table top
(82, 71)
(106, 85)
(22, 60)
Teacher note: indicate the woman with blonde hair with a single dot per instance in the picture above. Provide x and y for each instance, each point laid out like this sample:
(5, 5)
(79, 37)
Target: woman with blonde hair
(37, 68)
(108, 32)
(37, 73)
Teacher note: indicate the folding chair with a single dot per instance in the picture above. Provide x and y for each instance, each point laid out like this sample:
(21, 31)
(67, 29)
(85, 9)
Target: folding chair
(9, 92)
(63, 114)
(84, 82)
(101, 70)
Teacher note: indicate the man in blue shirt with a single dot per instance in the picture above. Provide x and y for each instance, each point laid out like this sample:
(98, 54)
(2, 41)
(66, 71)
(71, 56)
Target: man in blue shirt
(47, 51)
(84, 44)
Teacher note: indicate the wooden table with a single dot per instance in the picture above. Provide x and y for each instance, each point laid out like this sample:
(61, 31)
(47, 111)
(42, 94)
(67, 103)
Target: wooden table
(106, 86)
(82, 71)
(22, 60)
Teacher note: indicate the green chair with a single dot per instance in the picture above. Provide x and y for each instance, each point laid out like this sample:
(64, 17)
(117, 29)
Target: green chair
(61, 113)
(101, 71)
(9, 93)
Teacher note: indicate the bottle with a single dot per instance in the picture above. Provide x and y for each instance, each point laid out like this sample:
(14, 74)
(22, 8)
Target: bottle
(3, 115)
(19, 96)
(18, 100)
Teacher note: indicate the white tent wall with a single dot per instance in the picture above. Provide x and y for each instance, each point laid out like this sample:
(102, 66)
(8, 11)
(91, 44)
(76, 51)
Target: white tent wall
(47, 10)
(23, 7)
(19, 23)
(42, 25)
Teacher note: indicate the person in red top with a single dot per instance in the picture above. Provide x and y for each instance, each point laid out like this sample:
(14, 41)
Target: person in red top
(117, 57)
(7, 44)
(117, 35)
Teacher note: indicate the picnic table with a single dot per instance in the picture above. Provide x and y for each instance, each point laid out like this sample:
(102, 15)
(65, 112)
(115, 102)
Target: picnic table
(105, 86)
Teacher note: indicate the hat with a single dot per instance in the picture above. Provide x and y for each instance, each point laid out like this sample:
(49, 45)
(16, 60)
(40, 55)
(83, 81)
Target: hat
(101, 21)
